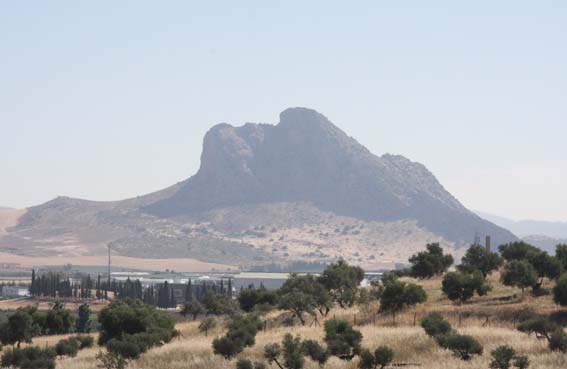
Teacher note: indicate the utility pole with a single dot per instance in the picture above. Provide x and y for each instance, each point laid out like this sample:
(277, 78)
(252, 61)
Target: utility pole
(108, 265)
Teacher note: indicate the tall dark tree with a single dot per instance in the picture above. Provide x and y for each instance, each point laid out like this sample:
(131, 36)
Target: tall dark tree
(461, 287)
(560, 291)
(398, 295)
(17, 329)
(429, 263)
(342, 282)
(84, 323)
(342, 340)
(546, 266)
(296, 295)
(561, 254)
(519, 273)
(478, 258)
(519, 250)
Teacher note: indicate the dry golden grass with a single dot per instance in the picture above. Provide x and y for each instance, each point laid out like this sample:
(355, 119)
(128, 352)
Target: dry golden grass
(411, 345)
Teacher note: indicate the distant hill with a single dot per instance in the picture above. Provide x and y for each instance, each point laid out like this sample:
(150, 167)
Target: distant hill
(299, 190)
(529, 227)
(5, 208)
(544, 242)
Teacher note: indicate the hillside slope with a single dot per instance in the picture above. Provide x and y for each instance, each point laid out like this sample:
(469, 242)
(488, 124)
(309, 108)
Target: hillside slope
(298, 190)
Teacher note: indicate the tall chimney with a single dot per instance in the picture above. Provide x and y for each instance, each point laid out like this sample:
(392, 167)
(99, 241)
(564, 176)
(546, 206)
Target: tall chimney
(487, 244)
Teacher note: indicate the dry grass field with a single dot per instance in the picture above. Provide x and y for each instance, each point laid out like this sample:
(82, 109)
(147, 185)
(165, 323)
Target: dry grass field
(411, 345)
(179, 264)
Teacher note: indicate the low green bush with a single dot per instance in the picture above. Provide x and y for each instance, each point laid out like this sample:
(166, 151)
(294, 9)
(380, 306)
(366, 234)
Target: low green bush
(29, 358)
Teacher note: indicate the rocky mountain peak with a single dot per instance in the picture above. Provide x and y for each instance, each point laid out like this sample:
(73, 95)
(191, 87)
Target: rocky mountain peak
(306, 158)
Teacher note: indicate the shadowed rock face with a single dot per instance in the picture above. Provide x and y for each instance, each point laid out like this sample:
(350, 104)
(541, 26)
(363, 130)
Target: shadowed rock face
(307, 158)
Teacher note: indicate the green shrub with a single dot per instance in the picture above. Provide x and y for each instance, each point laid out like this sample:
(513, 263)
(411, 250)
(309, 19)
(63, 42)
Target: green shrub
(429, 263)
(250, 299)
(29, 358)
(501, 357)
(382, 357)
(315, 351)
(244, 364)
(67, 347)
(127, 347)
(558, 341)
(130, 327)
(342, 340)
(291, 350)
(542, 327)
(463, 346)
(85, 341)
(521, 362)
(227, 347)
(434, 325)
(560, 291)
(241, 333)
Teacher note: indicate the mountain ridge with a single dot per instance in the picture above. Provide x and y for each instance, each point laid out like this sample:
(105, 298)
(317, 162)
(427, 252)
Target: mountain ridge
(528, 227)
(301, 189)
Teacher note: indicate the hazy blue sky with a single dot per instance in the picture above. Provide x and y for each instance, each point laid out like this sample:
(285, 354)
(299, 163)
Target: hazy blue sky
(106, 100)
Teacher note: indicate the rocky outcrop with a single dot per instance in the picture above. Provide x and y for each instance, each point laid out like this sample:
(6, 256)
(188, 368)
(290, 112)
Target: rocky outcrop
(307, 158)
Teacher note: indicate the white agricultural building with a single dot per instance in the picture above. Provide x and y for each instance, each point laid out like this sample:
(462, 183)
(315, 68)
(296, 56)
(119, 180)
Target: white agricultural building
(14, 291)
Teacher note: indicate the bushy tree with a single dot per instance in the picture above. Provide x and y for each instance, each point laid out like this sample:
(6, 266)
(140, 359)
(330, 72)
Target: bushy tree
(558, 341)
(461, 287)
(84, 323)
(241, 333)
(59, 320)
(429, 263)
(67, 347)
(297, 295)
(315, 351)
(292, 352)
(193, 308)
(342, 282)
(519, 273)
(287, 356)
(435, 325)
(342, 340)
(478, 258)
(546, 266)
(130, 327)
(463, 346)
(517, 251)
(218, 304)
(502, 357)
(560, 291)
(561, 254)
(244, 364)
(399, 295)
(227, 347)
(382, 357)
(540, 326)
(17, 329)
(250, 298)
(521, 362)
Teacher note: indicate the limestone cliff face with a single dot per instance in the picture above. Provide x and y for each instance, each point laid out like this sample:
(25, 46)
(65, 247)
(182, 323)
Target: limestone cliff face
(306, 158)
